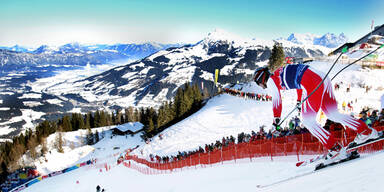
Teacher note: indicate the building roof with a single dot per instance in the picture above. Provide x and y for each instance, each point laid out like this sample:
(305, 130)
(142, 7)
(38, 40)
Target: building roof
(132, 126)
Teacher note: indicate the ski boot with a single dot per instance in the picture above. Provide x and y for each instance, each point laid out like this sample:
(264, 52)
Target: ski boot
(335, 154)
(362, 138)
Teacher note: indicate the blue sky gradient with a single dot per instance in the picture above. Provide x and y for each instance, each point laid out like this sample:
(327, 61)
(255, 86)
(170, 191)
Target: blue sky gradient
(35, 22)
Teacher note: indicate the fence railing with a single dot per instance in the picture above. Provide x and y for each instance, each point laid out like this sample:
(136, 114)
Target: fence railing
(293, 145)
(364, 63)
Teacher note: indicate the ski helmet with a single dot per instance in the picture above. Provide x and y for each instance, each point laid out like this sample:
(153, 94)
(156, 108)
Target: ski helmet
(261, 76)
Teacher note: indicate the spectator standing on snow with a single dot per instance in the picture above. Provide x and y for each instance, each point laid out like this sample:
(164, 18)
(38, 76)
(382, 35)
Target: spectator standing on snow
(343, 105)
(365, 119)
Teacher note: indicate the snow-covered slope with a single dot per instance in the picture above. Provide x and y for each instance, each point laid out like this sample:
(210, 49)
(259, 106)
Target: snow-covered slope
(76, 150)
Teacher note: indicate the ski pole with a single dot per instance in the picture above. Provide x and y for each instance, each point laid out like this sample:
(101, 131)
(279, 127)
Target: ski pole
(345, 49)
(357, 60)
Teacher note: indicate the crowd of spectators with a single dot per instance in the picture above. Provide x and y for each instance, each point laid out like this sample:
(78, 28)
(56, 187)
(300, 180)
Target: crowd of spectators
(372, 118)
(258, 96)
(294, 126)
(19, 177)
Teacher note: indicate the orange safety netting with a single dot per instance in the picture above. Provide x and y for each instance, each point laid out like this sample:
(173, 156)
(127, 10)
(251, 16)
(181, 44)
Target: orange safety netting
(301, 144)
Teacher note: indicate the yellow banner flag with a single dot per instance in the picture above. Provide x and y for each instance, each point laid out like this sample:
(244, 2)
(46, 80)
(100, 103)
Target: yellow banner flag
(23, 176)
(216, 75)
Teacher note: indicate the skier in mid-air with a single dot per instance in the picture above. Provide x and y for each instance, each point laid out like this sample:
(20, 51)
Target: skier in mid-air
(305, 79)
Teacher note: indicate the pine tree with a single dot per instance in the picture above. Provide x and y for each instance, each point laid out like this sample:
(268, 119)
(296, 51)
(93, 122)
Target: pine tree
(16, 152)
(31, 146)
(44, 148)
(171, 111)
(137, 117)
(59, 140)
(119, 117)
(66, 124)
(277, 57)
(77, 121)
(179, 104)
(108, 118)
(97, 137)
(92, 120)
(103, 119)
(151, 126)
(60, 143)
(143, 118)
(160, 120)
(114, 119)
(129, 115)
(90, 137)
(197, 97)
(87, 124)
(206, 94)
(4, 170)
(97, 119)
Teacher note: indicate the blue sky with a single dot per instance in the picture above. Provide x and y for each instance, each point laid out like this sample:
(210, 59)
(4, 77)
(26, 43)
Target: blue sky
(35, 22)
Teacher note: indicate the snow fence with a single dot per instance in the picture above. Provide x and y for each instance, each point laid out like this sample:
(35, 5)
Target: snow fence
(293, 145)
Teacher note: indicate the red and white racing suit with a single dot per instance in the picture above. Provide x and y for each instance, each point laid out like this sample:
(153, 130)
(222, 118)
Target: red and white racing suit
(305, 79)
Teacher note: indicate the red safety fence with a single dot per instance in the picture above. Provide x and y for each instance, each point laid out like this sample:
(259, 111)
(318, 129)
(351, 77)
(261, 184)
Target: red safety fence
(293, 145)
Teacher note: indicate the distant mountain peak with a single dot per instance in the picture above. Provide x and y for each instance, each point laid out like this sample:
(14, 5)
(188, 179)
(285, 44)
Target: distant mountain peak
(329, 40)
(222, 35)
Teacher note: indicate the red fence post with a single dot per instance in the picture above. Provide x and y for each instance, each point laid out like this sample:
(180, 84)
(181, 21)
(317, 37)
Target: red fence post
(199, 160)
(235, 153)
(249, 151)
(209, 157)
(302, 144)
(297, 151)
(221, 155)
(271, 148)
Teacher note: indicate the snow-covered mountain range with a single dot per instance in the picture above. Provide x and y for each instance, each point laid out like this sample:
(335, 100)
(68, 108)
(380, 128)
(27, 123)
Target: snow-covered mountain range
(144, 82)
(329, 40)
(17, 48)
(76, 54)
(154, 79)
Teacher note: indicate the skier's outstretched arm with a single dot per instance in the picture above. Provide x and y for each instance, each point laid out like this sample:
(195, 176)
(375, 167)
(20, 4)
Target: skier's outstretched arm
(276, 97)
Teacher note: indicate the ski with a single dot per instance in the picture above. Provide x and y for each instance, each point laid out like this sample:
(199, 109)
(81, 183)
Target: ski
(349, 149)
(352, 156)
(309, 161)
(352, 146)
(352, 149)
